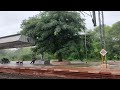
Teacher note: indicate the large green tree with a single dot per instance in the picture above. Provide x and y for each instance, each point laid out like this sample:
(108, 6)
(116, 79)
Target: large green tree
(53, 31)
(113, 41)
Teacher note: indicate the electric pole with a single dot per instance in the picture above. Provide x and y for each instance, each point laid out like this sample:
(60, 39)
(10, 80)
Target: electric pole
(102, 31)
(102, 36)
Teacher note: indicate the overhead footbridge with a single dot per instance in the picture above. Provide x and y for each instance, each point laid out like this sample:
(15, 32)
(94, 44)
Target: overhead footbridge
(16, 41)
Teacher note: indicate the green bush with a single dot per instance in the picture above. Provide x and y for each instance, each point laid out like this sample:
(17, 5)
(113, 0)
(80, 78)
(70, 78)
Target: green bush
(26, 57)
(5, 61)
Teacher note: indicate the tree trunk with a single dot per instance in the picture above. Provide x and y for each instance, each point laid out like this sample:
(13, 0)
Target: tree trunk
(59, 56)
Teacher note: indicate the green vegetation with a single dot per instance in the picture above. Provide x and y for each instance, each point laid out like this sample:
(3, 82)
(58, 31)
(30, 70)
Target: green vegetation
(112, 38)
(57, 36)
(55, 32)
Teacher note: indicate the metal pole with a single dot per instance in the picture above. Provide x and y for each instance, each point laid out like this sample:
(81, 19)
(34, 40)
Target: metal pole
(85, 46)
(100, 17)
(104, 40)
(103, 31)
(100, 26)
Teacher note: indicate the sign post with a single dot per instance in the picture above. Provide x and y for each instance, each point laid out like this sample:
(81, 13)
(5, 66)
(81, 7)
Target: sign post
(103, 56)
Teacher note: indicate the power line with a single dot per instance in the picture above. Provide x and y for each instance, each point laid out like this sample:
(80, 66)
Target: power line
(92, 15)
(82, 13)
(85, 13)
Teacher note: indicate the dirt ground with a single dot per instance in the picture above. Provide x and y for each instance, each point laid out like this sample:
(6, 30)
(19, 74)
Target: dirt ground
(18, 76)
(113, 65)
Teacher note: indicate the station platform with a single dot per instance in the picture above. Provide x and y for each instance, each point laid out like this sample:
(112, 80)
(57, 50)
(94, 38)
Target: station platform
(65, 72)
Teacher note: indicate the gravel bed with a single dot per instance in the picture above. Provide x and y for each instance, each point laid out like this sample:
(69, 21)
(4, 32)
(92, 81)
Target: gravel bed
(19, 76)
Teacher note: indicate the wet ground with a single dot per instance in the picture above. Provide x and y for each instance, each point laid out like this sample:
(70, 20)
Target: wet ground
(112, 64)
(19, 76)
(74, 64)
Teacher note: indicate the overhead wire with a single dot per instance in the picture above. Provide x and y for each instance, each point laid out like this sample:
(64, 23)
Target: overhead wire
(85, 33)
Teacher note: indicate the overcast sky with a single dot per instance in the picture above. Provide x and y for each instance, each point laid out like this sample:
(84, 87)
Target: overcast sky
(10, 20)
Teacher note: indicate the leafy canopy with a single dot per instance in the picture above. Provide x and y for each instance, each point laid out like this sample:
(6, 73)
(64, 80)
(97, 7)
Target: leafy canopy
(54, 30)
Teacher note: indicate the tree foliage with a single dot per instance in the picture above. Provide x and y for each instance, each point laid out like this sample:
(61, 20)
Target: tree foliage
(57, 35)
(112, 38)
(113, 41)
(54, 31)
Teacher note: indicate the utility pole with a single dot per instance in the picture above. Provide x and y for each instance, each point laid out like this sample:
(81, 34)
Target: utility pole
(102, 31)
(102, 34)
(101, 28)
(104, 46)
(85, 46)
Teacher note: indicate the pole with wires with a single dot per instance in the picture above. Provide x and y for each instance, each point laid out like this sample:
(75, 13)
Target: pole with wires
(102, 32)
(102, 35)
(104, 40)
(93, 16)
(104, 45)
(100, 26)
